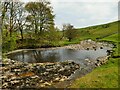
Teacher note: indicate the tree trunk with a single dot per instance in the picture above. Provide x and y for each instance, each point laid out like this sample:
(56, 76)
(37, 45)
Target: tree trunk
(21, 32)
(70, 39)
(11, 20)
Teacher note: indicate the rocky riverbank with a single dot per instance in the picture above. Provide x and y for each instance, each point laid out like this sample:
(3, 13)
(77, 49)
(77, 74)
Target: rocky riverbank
(89, 45)
(17, 74)
(24, 75)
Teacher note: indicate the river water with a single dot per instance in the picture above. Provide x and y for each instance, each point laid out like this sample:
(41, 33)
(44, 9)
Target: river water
(58, 55)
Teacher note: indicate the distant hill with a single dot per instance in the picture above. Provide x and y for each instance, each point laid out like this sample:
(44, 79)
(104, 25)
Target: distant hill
(99, 31)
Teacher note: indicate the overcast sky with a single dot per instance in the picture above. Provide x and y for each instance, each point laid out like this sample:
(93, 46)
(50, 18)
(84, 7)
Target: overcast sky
(82, 13)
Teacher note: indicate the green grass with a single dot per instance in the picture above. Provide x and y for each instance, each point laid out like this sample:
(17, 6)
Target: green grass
(113, 37)
(105, 76)
(75, 41)
(99, 31)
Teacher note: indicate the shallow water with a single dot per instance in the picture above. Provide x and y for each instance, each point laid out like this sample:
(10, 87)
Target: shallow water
(57, 55)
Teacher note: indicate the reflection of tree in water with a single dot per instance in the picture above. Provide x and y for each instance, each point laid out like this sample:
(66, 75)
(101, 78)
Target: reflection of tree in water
(44, 56)
(23, 57)
(69, 53)
(37, 55)
(53, 56)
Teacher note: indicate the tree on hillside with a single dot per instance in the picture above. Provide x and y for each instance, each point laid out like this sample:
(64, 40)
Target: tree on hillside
(63, 30)
(40, 16)
(70, 32)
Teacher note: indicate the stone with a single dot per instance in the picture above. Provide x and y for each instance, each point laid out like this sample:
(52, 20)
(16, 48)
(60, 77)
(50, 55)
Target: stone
(3, 77)
(17, 70)
(87, 48)
(46, 83)
(101, 47)
(33, 77)
(42, 85)
(5, 85)
(62, 69)
(89, 40)
(29, 75)
(77, 66)
(45, 73)
(57, 79)
(101, 60)
(50, 69)
(15, 81)
(67, 67)
(62, 79)
(87, 59)
(13, 77)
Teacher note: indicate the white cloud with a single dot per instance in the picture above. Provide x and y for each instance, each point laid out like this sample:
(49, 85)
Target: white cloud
(83, 13)
(85, 0)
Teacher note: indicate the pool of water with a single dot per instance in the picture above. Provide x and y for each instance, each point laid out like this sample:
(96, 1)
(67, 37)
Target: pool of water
(57, 55)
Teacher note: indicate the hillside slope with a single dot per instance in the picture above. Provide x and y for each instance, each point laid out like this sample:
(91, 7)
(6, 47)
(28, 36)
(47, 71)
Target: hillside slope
(99, 31)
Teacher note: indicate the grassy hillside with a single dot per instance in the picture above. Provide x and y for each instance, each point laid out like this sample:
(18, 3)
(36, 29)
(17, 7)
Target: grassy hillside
(99, 31)
(105, 76)
(113, 37)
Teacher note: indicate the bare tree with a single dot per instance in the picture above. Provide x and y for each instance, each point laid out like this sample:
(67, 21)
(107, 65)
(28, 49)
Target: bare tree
(21, 18)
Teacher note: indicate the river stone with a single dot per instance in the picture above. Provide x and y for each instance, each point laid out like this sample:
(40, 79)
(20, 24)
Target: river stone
(62, 79)
(67, 67)
(42, 73)
(101, 60)
(33, 77)
(62, 69)
(15, 81)
(57, 79)
(77, 66)
(5, 85)
(101, 47)
(46, 83)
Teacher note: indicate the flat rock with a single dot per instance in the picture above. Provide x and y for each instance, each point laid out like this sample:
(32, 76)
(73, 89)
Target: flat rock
(36, 74)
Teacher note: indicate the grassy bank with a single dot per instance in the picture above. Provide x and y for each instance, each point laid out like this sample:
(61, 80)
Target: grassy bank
(105, 76)
(99, 31)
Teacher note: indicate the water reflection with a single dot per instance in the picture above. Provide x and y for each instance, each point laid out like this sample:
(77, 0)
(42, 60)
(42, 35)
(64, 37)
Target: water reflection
(57, 55)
